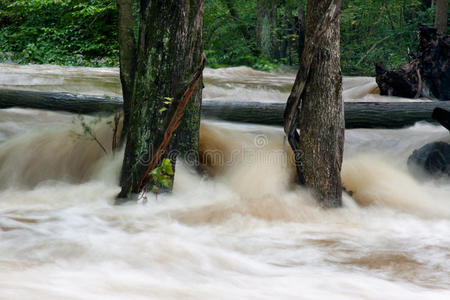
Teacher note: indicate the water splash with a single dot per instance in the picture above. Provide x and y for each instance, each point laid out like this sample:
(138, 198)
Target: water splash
(246, 232)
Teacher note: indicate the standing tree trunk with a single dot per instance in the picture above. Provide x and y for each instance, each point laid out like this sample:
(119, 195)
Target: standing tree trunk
(317, 95)
(127, 49)
(441, 16)
(322, 114)
(168, 66)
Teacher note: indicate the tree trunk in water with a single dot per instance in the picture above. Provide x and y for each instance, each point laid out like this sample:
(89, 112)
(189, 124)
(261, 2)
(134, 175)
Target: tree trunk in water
(169, 52)
(322, 113)
(441, 16)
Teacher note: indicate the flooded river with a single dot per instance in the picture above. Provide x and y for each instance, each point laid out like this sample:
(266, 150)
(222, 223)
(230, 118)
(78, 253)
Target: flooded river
(247, 233)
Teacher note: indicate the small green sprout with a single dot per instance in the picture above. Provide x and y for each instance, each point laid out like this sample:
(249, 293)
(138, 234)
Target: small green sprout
(162, 176)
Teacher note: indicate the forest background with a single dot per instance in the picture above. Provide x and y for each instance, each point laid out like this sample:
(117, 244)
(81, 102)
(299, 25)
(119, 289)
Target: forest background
(262, 34)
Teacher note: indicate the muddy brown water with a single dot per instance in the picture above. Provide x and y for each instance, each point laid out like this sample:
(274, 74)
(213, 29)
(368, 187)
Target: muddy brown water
(248, 233)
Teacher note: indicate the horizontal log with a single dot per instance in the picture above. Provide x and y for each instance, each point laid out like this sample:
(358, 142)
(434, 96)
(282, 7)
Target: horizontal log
(357, 114)
(81, 104)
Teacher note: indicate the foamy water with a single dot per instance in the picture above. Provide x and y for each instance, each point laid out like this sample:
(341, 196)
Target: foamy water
(247, 233)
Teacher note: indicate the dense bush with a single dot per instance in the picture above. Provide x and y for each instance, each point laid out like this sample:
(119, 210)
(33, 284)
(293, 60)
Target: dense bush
(263, 34)
(74, 32)
(382, 30)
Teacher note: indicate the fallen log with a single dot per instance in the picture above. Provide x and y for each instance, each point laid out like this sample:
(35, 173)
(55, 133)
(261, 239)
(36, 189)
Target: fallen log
(357, 114)
(79, 104)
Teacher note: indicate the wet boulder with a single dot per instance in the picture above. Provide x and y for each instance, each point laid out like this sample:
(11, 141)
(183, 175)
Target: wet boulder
(433, 158)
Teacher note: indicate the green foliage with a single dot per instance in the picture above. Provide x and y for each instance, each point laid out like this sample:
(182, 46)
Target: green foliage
(381, 30)
(162, 176)
(264, 64)
(71, 32)
(232, 29)
(262, 34)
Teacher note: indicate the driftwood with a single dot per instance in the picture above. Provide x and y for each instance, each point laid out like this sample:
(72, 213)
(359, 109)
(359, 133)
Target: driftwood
(427, 74)
(357, 114)
(404, 82)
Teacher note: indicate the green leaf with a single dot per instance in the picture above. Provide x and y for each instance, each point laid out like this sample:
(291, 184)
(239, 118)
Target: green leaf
(167, 166)
(166, 182)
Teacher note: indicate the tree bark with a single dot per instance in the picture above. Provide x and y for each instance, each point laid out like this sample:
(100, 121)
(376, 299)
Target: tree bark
(301, 33)
(169, 53)
(373, 115)
(78, 104)
(322, 112)
(441, 16)
(127, 56)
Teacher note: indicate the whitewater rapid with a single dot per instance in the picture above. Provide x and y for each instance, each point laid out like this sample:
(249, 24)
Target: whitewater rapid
(247, 233)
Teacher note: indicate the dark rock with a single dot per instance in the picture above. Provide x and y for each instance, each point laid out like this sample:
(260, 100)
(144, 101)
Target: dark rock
(433, 158)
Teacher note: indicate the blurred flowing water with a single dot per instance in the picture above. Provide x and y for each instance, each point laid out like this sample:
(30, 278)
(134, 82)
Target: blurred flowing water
(247, 233)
